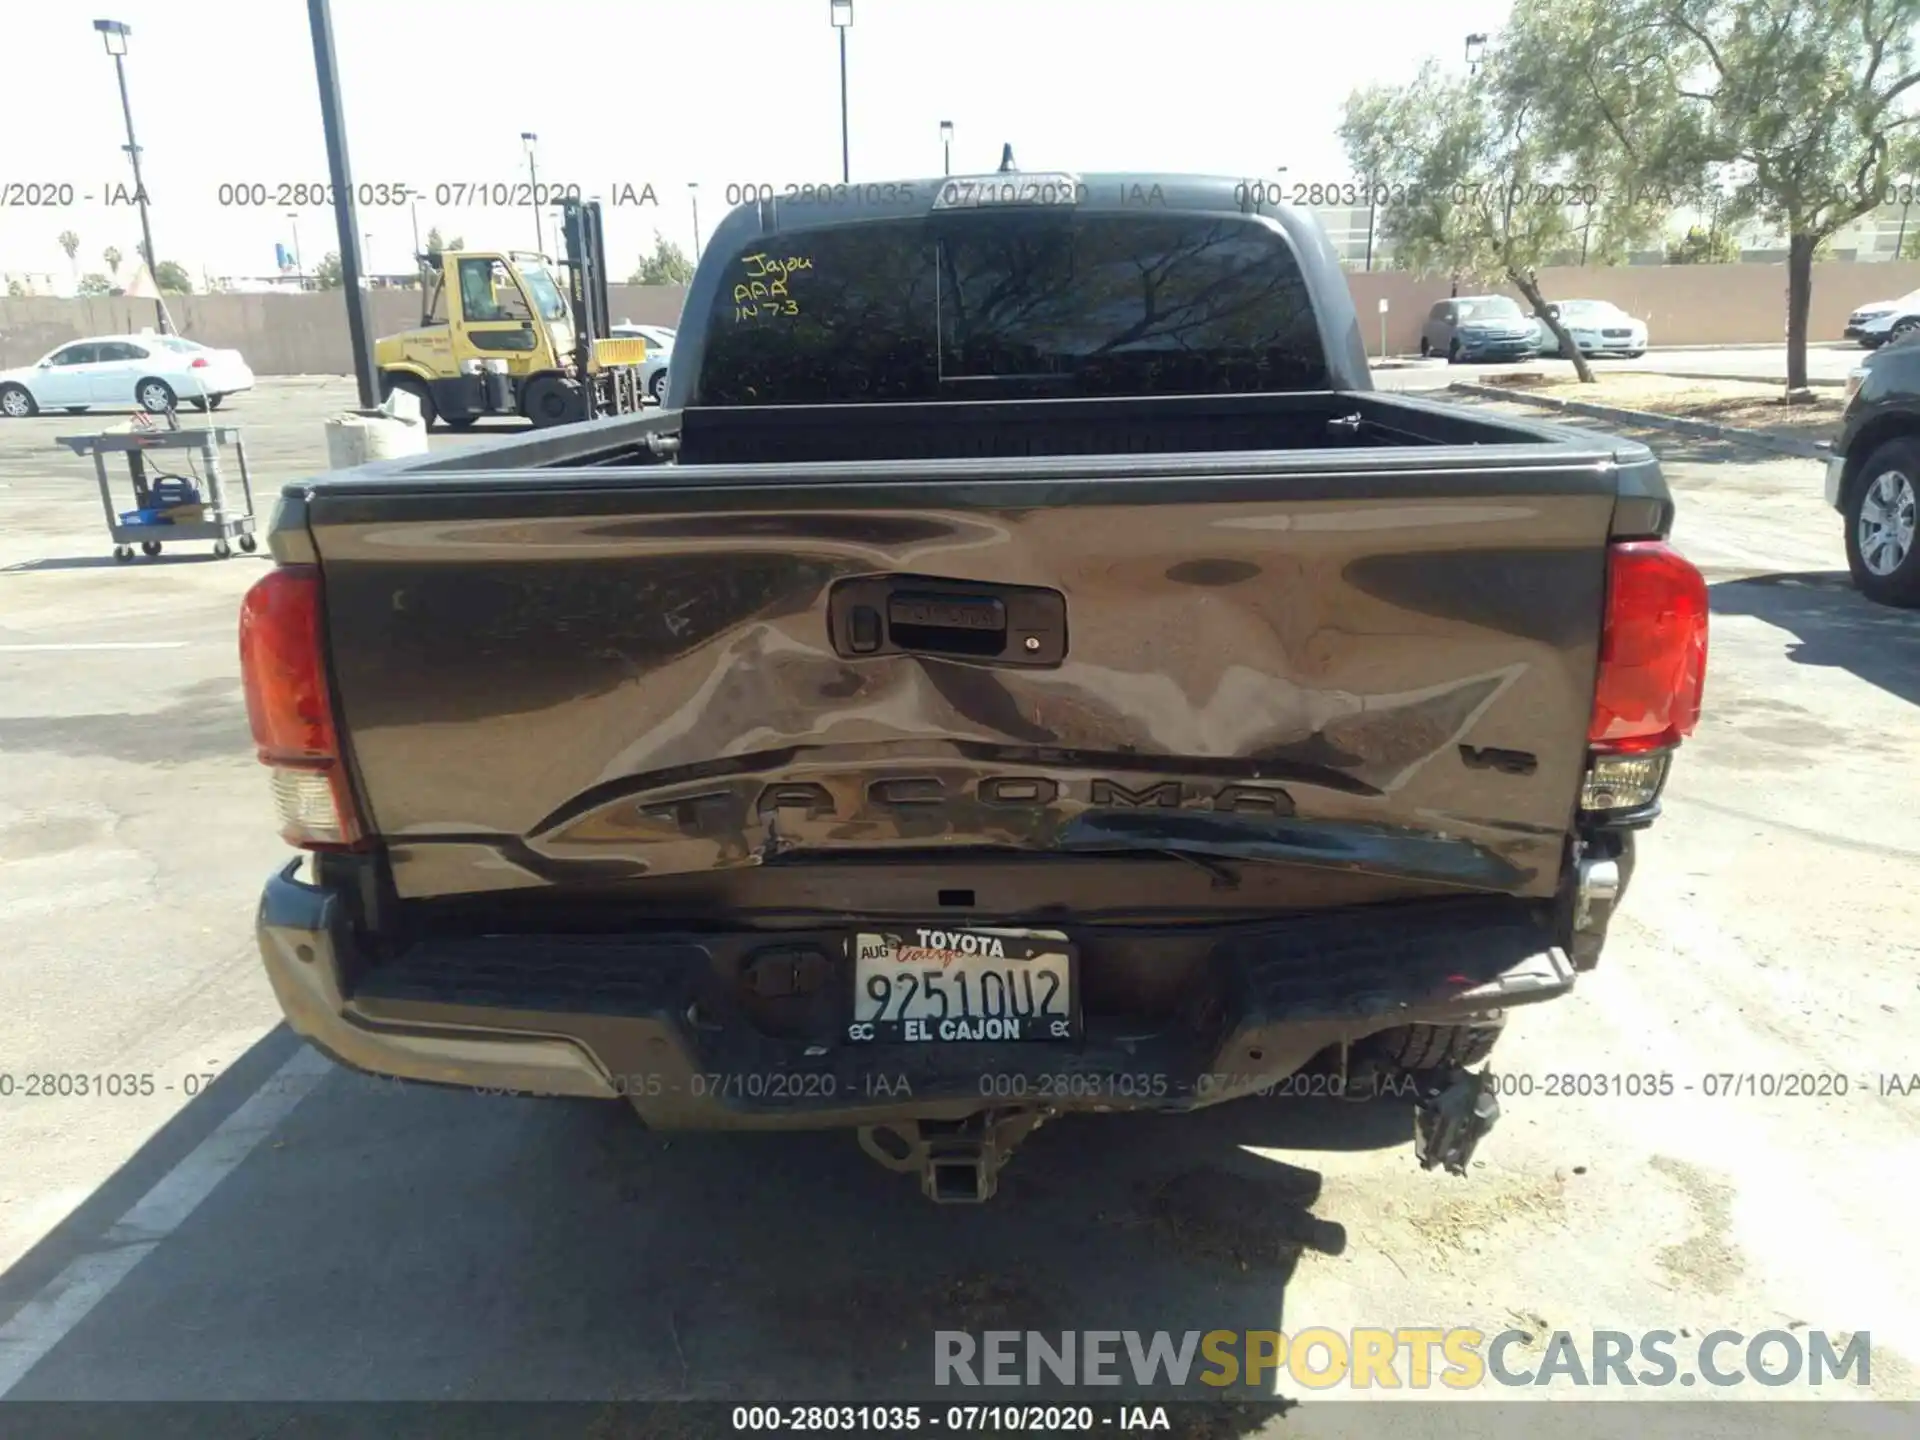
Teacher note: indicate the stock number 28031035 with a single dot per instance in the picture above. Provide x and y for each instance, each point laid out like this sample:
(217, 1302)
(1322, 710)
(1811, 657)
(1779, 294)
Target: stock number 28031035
(63, 1085)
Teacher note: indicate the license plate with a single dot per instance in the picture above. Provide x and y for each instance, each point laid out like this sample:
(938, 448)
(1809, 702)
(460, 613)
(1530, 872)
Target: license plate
(926, 985)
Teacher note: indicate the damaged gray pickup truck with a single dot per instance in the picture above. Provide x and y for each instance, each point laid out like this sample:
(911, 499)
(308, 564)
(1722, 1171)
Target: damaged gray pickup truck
(1024, 668)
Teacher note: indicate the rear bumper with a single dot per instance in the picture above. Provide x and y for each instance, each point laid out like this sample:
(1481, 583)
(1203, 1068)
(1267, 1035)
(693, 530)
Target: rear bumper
(639, 1019)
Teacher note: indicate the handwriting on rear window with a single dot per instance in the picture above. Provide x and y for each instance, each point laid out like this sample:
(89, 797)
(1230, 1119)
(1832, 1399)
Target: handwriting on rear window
(763, 293)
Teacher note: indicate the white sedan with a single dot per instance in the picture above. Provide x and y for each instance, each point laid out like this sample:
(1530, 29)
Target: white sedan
(148, 372)
(1879, 321)
(659, 340)
(1598, 327)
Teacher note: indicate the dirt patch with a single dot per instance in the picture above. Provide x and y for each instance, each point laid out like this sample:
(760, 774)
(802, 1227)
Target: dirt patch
(1464, 1224)
(35, 836)
(1744, 404)
(1707, 1259)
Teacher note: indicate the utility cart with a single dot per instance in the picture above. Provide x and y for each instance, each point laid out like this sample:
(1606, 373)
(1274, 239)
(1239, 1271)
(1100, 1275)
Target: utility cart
(169, 506)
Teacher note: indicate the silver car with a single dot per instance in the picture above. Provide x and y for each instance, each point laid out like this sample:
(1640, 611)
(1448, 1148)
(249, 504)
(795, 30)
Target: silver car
(659, 340)
(1479, 327)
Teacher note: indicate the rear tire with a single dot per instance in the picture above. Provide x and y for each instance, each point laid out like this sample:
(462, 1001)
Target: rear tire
(1881, 503)
(213, 401)
(1453, 352)
(1438, 1047)
(156, 397)
(199, 404)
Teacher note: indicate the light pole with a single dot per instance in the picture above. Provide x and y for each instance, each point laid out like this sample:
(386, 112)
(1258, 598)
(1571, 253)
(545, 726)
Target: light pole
(299, 256)
(1900, 240)
(1475, 44)
(366, 250)
(946, 147)
(693, 194)
(841, 13)
(333, 122)
(1372, 198)
(115, 33)
(529, 139)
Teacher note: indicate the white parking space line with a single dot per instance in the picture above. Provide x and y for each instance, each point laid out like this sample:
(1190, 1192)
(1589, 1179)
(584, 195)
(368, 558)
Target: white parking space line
(100, 645)
(47, 1318)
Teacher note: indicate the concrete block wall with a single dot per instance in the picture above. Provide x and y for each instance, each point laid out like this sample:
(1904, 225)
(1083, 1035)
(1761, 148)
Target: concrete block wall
(1682, 305)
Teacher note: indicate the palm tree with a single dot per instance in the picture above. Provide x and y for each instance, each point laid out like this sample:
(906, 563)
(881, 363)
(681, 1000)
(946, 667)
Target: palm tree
(70, 243)
(113, 257)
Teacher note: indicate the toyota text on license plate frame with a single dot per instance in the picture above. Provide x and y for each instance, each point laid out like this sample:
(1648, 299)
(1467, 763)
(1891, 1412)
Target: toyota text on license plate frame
(924, 984)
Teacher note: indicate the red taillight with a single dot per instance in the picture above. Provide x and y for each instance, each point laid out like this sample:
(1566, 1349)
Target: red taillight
(283, 669)
(1653, 651)
(199, 363)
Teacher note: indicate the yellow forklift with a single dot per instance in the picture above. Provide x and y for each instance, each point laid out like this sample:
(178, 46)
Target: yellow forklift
(501, 334)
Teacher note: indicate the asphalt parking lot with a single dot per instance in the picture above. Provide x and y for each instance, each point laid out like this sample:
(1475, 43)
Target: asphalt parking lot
(244, 1221)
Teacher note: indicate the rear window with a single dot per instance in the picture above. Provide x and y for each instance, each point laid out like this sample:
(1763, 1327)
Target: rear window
(973, 305)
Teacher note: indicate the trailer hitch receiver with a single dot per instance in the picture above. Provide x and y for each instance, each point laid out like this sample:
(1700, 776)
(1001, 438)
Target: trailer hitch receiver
(1452, 1117)
(958, 1161)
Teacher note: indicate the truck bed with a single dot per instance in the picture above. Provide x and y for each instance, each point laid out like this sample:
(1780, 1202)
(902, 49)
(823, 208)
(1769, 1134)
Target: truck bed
(1105, 430)
(608, 670)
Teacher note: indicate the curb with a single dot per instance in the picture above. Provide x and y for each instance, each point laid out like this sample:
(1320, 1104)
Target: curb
(1813, 382)
(1706, 429)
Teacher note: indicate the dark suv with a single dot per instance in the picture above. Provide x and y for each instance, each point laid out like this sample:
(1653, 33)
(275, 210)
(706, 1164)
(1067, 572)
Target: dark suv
(1479, 327)
(1873, 478)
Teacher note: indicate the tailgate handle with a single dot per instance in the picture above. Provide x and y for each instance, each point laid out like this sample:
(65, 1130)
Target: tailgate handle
(947, 624)
(915, 615)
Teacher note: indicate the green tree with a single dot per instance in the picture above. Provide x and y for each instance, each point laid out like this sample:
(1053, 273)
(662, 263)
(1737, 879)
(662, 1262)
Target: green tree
(1805, 106)
(94, 283)
(70, 243)
(15, 290)
(113, 258)
(172, 279)
(1910, 247)
(1477, 188)
(1703, 247)
(326, 275)
(667, 265)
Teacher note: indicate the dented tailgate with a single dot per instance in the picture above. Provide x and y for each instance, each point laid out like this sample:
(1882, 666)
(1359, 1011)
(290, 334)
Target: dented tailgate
(1373, 670)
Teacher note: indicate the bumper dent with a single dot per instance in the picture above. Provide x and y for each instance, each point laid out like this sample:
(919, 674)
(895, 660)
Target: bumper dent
(639, 1019)
(305, 943)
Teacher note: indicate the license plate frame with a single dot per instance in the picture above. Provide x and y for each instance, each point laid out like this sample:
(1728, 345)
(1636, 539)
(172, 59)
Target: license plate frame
(973, 952)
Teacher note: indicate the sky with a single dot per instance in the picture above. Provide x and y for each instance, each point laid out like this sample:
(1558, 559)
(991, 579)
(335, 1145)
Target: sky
(627, 94)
